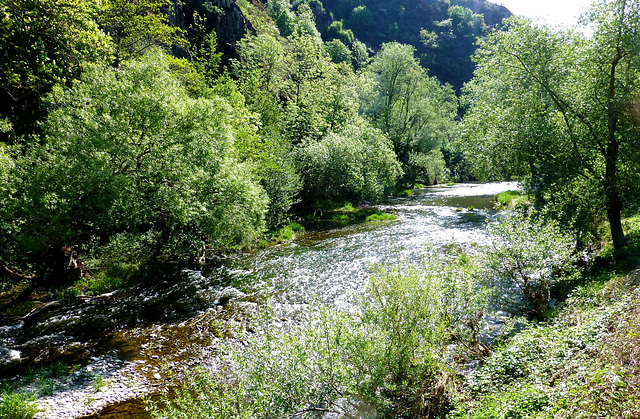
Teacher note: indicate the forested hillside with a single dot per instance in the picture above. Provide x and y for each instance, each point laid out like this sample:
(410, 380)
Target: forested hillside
(443, 32)
(146, 132)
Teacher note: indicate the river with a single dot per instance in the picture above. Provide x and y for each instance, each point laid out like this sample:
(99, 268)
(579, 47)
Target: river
(142, 332)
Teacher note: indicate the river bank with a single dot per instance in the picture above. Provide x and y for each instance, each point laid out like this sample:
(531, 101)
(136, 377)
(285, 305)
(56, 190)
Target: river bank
(181, 324)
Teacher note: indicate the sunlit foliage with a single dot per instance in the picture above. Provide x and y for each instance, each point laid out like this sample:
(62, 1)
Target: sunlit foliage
(558, 109)
(127, 152)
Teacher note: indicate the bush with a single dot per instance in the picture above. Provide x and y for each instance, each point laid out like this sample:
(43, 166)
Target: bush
(128, 153)
(506, 199)
(381, 216)
(385, 357)
(287, 232)
(357, 163)
(526, 258)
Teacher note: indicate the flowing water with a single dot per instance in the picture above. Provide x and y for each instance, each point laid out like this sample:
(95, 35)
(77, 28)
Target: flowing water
(177, 320)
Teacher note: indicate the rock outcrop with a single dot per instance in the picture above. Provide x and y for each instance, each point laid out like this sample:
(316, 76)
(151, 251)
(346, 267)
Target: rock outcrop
(224, 17)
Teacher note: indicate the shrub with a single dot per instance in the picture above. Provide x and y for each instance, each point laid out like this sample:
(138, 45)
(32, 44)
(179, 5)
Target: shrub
(129, 155)
(357, 163)
(385, 356)
(528, 256)
(381, 216)
(583, 364)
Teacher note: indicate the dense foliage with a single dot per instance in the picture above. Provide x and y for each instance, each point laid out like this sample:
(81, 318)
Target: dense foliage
(128, 156)
(559, 109)
(527, 258)
(444, 32)
(583, 364)
(114, 150)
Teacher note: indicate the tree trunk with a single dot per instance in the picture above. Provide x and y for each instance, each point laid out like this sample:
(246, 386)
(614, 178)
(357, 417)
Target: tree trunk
(614, 203)
(614, 214)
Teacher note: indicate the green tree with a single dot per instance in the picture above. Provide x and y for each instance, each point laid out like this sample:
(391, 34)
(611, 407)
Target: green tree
(285, 24)
(305, 21)
(413, 109)
(43, 42)
(338, 52)
(360, 55)
(138, 25)
(561, 109)
(128, 157)
(204, 49)
(336, 31)
(361, 20)
(355, 163)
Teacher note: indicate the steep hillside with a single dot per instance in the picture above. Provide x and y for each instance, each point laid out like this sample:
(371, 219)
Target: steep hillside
(442, 31)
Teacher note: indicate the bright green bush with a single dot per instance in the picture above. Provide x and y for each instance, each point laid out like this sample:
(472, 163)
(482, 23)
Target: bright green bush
(404, 192)
(338, 52)
(287, 232)
(381, 216)
(506, 199)
(357, 163)
(129, 156)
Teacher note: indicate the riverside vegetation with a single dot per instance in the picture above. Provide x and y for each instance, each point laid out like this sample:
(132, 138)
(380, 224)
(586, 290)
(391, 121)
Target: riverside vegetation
(118, 157)
(409, 347)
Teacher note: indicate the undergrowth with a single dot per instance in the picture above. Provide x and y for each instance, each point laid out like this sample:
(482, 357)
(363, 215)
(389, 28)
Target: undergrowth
(403, 352)
(15, 405)
(389, 357)
(583, 364)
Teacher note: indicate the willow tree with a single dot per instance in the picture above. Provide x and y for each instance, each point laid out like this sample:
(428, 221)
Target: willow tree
(130, 162)
(414, 110)
(560, 109)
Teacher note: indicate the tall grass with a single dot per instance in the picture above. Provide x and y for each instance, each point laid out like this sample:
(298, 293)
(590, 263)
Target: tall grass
(14, 405)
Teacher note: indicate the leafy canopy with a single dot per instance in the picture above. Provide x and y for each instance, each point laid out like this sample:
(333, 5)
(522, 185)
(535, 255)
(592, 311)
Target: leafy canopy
(128, 152)
(560, 110)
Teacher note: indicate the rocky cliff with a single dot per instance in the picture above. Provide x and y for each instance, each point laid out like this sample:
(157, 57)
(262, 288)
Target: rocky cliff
(223, 17)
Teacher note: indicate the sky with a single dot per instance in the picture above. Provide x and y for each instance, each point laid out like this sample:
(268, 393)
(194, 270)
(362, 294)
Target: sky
(554, 12)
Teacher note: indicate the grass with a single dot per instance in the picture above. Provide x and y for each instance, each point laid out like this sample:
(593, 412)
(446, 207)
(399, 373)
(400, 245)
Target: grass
(45, 377)
(103, 282)
(404, 192)
(507, 199)
(381, 216)
(98, 383)
(17, 406)
(343, 213)
(285, 234)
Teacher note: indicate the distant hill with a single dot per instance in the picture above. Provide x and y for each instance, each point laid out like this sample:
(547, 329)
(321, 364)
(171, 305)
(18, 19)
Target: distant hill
(443, 32)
